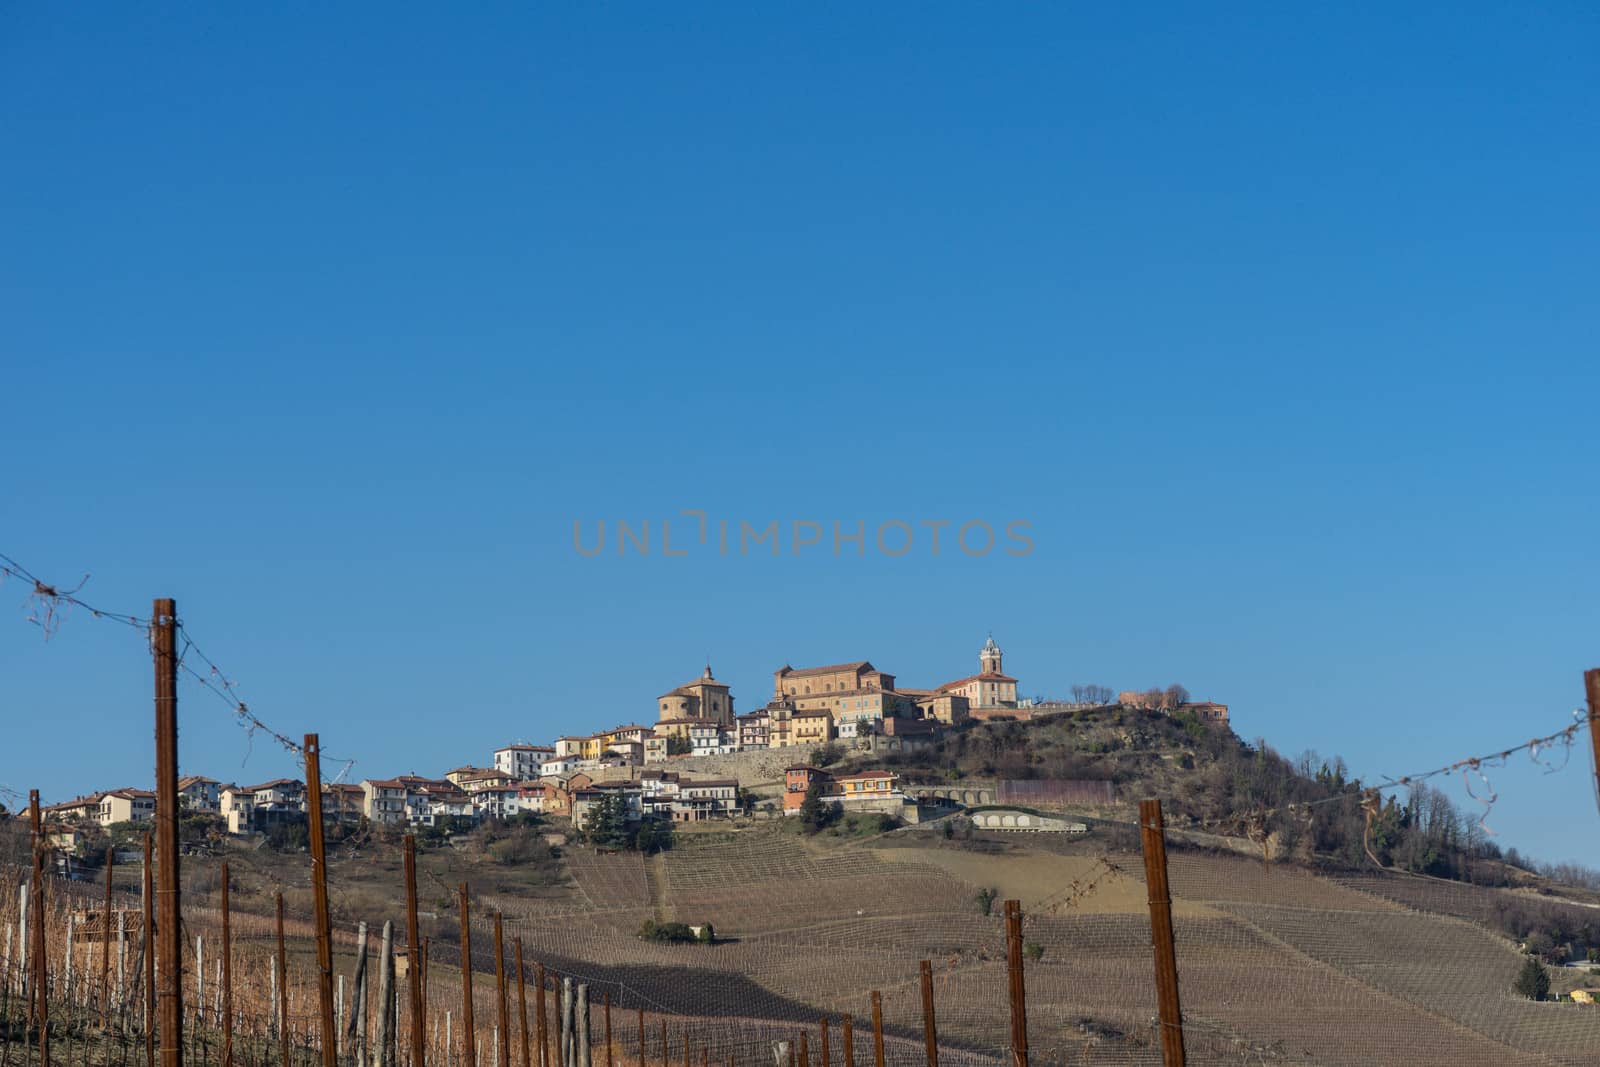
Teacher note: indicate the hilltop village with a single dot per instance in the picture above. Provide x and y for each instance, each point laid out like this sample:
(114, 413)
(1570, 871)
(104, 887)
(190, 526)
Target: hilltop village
(637, 769)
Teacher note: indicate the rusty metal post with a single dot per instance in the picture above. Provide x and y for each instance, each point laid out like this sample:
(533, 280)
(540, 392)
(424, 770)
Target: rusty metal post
(503, 1003)
(606, 1000)
(849, 1039)
(164, 646)
(686, 1045)
(930, 1028)
(105, 943)
(41, 975)
(469, 1034)
(1019, 1003)
(227, 975)
(1153, 837)
(877, 1029)
(825, 1059)
(283, 989)
(805, 1051)
(664, 1060)
(319, 900)
(149, 952)
(522, 1001)
(415, 957)
(641, 1037)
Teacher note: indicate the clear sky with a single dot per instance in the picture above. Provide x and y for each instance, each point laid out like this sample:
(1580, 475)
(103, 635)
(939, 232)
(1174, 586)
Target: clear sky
(1277, 323)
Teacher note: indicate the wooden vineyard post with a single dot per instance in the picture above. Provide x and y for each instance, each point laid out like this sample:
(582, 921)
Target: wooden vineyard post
(849, 1039)
(522, 1001)
(502, 994)
(416, 961)
(283, 989)
(469, 1037)
(877, 1029)
(41, 975)
(541, 1023)
(319, 898)
(105, 943)
(148, 951)
(1591, 685)
(1018, 994)
(930, 1028)
(227, 975)
(1153, 837)
(169, 933)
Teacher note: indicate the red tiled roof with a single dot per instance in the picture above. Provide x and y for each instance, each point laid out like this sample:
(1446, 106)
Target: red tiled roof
(987, 676)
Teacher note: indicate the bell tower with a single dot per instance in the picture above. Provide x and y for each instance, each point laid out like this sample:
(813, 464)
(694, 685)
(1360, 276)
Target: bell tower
(989, 658)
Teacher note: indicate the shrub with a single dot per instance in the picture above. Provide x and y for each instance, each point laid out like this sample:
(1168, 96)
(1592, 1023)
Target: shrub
(1034, 951)
(670, 932)
(986, 898)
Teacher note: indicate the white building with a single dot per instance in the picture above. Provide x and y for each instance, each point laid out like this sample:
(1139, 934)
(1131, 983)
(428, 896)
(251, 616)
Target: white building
(558, 766)
(522, 761)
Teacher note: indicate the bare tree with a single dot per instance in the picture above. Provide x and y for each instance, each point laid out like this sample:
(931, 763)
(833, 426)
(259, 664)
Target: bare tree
(1176, 695)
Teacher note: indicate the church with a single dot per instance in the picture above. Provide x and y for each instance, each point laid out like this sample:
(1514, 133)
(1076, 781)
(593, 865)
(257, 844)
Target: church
(991, 689)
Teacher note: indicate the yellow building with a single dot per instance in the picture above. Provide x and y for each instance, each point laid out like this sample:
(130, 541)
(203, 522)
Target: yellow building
(813, 727)
(705, 699)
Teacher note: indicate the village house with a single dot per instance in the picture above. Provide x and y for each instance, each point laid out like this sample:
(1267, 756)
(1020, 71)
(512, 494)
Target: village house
(812, 727)
(459, 775)
(76, 810)
(752, 729)
(531, 797)
(479, 780)
(586, 799)
(125, 805)
(521, 761)
(236, 806)
(705, 798)
(560, 789)
(497, 801)
(655, 750)
(342, 802)
(797, 781)
(864, 791)
(712, 739)
(560, 765)
(410, 799)
(1209, 712)
(198, 793)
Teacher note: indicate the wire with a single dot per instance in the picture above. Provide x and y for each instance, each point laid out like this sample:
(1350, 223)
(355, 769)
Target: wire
(51, 605)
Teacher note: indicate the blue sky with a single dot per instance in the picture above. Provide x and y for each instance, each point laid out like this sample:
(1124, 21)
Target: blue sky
(1277, 324)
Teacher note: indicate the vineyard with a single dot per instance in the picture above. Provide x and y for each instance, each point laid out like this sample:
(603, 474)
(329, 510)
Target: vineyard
(1276, 964)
